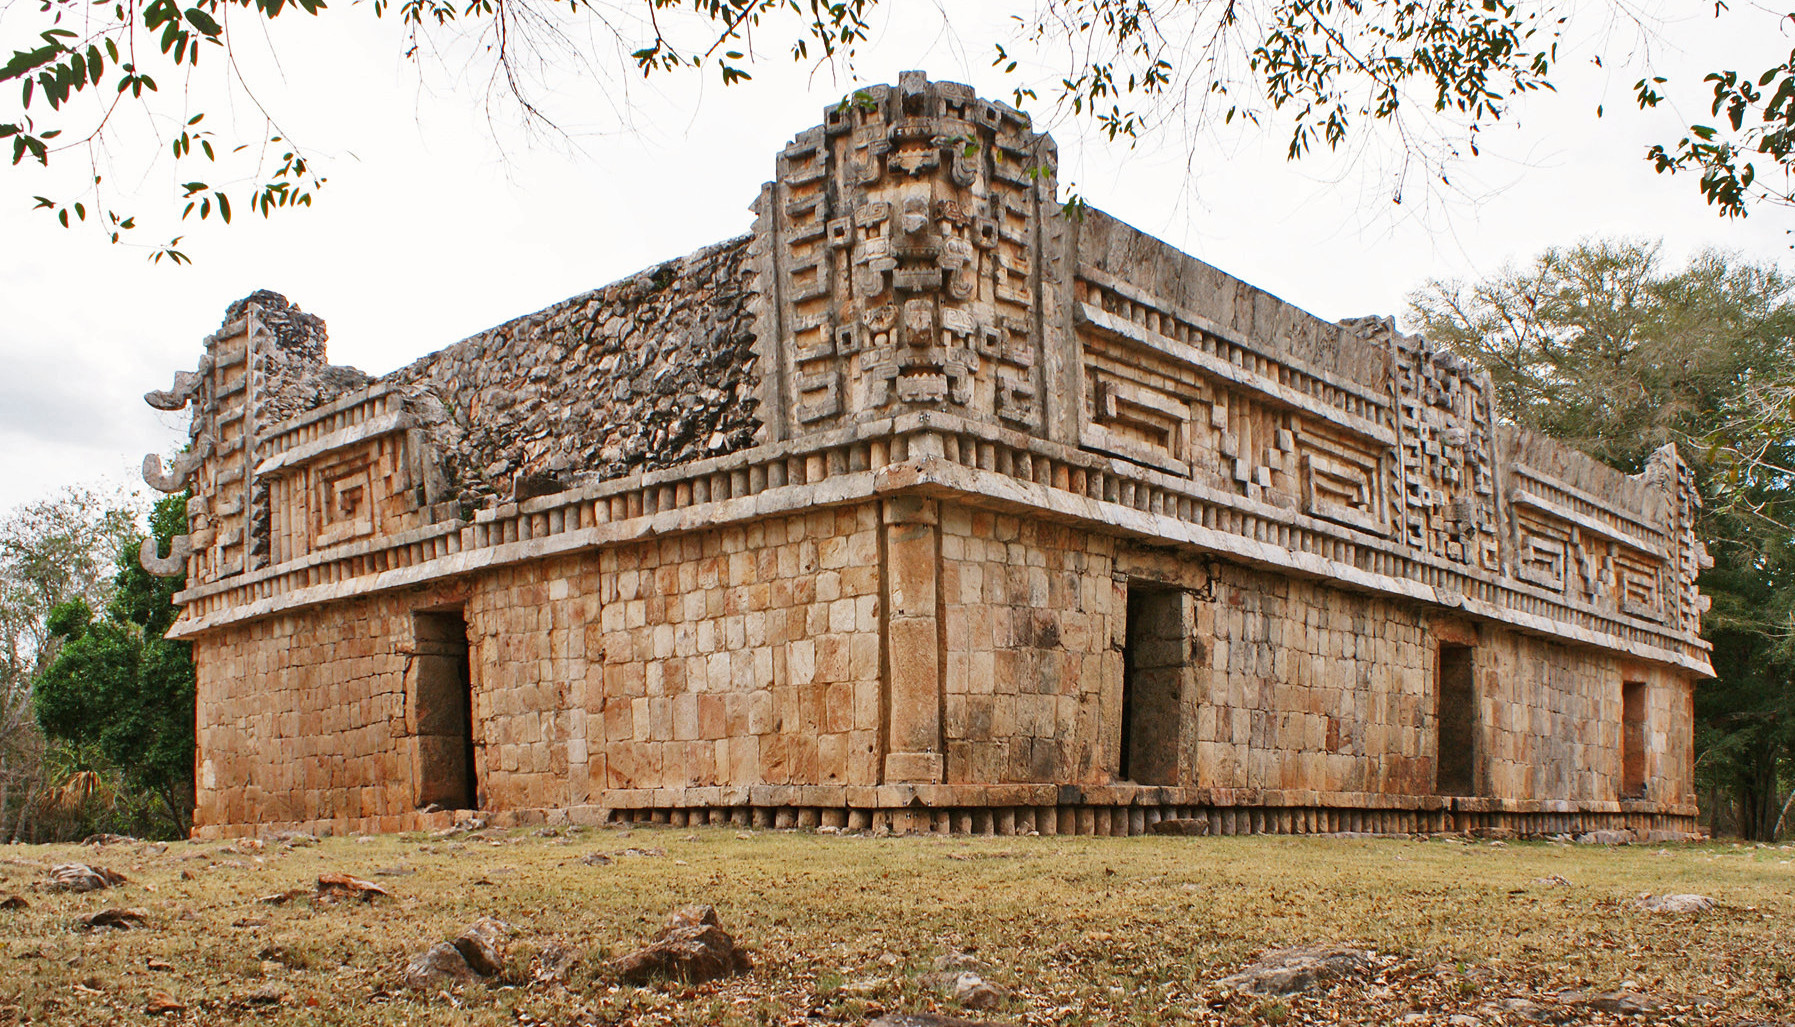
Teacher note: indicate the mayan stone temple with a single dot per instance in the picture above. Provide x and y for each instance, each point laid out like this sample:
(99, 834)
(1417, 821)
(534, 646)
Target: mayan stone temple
(921, 507)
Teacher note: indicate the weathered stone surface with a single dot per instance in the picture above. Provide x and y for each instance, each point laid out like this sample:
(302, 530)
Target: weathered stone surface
(650, 372)
(438, 966)
(1625, 1003)
(1182, 827)
(692, 947)
(482, 945)
(82, 877)
(338, 886)
(1607, 838)
(1289, 971)
(556, 963)
(1675, 903)
(119, 919)
(925, 1020)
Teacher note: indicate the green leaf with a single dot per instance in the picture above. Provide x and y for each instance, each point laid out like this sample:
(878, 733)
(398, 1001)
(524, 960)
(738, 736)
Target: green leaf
(204, 22)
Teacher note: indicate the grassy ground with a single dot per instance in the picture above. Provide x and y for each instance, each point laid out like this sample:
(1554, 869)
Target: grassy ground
(1081, 930)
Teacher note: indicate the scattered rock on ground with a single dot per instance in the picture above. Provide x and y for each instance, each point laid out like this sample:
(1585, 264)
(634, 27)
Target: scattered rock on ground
(925, 1020)
(266, 995)
(482, 945)
(1626, 1003)
(555, 963)
(1288, 971)
(1526, 1009)
(122, 919)
(342, 886)
(162, 1003)
(1621, 837)
(864, 988)
(83, 877)
(692, 947)
(14, 902)
(974, 992)
(108, 839)
(1675, 903)
(1557, 879)
(437, 966)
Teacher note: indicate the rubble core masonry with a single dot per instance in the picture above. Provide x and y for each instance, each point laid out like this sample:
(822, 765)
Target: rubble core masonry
(923, 506)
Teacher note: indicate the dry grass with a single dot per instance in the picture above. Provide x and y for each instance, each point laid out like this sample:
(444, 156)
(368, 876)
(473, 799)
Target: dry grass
(1084, 931)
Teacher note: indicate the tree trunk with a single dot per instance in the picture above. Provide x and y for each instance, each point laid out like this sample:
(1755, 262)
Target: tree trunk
(1777, 831)
(167, 795)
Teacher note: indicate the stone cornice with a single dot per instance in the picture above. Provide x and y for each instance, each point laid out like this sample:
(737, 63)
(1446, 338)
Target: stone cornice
(940, 455)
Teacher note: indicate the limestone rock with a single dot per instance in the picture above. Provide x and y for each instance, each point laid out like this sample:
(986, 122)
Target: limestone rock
(437, 966)
(693, 947)
(925, 1020)
(334, 886)
(556, 962)
(82, 877)
(482, 945)
(120, 919)
(974, 992)
(1675, 903)
(1622, 837)
(1625, 1003)
(1289, 971)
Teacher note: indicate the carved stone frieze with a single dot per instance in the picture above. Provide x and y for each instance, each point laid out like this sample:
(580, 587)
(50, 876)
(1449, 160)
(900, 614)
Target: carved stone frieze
(904, 235)
(1446, 493)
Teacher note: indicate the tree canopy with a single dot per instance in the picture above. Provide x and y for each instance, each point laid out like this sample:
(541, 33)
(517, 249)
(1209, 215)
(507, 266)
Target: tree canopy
(1601, 345)
(52, 552)
(1435, 75)
(118, 685)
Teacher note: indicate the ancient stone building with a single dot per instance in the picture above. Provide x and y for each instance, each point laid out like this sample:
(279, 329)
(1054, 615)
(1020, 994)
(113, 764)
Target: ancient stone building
(921, 506)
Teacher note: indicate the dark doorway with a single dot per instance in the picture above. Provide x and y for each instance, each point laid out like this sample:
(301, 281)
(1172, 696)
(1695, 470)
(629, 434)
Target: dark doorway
(1632, 739)
(1152, 696)
(447, 774)
(1455, 720)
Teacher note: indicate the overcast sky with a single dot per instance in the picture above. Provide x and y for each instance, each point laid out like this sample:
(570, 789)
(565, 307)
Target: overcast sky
(432, 228)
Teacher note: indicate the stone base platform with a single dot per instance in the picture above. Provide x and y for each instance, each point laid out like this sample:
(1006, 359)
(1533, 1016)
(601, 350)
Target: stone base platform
(1113, 811)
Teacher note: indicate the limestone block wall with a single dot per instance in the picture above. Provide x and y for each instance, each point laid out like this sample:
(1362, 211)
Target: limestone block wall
(1027, 615)
(303, 725)
(1551, 716)
(531, 674)
(1292, 686)
(1310, 687)
(746, 655)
